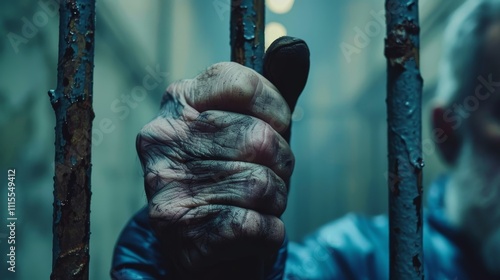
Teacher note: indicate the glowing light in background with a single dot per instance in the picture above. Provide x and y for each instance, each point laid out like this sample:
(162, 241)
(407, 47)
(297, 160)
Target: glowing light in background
(273, 31)
(280, 6)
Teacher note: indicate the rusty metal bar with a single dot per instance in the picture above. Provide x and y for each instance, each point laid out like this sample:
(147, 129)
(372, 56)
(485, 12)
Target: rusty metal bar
(247, 33)
(247, 48)
(404, 97)
(72, 103)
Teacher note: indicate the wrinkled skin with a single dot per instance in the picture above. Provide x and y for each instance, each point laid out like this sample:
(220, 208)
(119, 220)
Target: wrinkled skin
(215, 167)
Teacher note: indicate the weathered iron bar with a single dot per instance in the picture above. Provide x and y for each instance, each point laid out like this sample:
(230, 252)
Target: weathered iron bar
(247, 33)
(72, 103)
(247, 48)
(404, 97)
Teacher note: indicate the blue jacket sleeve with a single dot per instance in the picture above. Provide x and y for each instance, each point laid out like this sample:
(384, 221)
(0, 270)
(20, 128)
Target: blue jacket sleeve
(138, 254)
(353, 247)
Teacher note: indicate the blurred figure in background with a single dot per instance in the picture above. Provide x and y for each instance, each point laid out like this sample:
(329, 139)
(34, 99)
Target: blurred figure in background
(466, 118)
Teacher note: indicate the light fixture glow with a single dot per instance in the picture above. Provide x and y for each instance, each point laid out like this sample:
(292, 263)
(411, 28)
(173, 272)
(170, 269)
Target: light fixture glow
(280, 6)
(273, 31)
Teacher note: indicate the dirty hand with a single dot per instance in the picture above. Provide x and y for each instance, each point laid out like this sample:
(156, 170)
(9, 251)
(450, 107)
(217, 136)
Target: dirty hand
(215, 167)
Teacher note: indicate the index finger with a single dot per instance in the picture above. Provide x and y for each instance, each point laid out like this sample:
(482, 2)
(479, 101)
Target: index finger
(229, 86)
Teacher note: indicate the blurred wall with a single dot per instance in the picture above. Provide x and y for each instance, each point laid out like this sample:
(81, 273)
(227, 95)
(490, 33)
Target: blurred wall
(339, 131)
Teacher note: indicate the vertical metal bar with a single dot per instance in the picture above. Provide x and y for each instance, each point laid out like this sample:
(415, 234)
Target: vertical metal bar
(247, 48)
(247, 33)
(404, 94)
(72, 103)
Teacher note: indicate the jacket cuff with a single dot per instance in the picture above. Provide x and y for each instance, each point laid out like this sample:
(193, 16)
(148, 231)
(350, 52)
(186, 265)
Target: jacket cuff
(277, 270)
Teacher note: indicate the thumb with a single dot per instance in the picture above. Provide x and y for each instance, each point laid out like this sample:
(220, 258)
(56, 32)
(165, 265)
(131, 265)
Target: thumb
(286, 65)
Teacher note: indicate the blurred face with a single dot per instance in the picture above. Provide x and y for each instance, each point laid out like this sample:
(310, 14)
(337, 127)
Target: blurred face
(484, 125)
(485, 121)
(473, 201)
(473, 198)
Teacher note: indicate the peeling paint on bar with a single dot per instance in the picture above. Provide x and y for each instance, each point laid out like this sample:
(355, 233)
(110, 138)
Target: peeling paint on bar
(247, 48)
(404, 94)
(72, 103)
(247, 33)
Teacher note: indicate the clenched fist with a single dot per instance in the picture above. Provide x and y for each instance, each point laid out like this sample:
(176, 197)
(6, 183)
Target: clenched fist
(216, 168)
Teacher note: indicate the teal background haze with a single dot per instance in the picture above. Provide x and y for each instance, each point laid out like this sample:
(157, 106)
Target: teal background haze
(339, 128)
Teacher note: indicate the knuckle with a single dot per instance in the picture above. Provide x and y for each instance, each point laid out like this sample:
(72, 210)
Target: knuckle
(263, 137)
(177, 89)
(268, 189)
(139, 143)
(152, 184)
(154, 211)
(280, 126)
(142, 142)
(246, 83)
(141, 139)
(290, 164)
(268, 230)
(249, 224)
(241, 81)
(173, 100)
(286, 161)
(262, 182)
(162, 131)
(145, 138)
(160, 147)
(163, 208)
